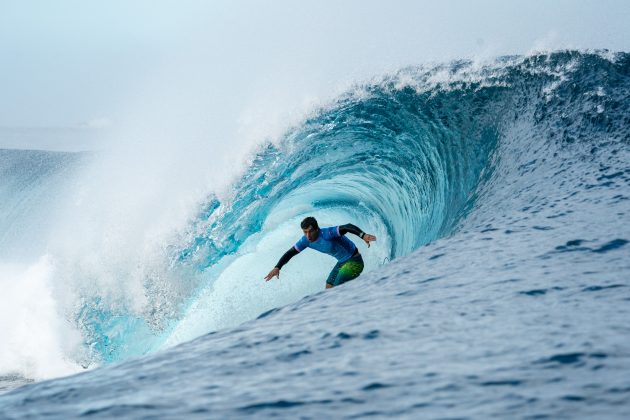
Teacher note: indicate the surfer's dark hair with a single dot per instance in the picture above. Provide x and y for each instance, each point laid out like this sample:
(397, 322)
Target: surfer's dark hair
(309, 221)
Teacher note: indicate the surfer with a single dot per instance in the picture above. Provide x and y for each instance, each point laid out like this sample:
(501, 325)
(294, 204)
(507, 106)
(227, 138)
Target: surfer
(331, 241)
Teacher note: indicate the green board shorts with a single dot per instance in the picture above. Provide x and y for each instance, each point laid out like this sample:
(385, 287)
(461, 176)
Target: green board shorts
(346, 271)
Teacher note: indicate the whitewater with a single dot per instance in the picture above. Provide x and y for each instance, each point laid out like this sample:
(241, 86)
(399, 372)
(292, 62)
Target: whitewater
(499, 285)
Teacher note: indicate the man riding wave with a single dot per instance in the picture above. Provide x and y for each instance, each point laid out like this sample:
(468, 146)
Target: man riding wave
(331, 241)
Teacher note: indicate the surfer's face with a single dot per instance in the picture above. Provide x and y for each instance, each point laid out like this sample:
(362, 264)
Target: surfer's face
(311, 233)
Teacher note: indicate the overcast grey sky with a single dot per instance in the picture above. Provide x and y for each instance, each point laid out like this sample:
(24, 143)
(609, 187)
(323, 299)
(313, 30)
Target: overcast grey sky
(71, 63)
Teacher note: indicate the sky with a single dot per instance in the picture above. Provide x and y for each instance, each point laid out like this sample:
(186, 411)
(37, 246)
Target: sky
(210, 66)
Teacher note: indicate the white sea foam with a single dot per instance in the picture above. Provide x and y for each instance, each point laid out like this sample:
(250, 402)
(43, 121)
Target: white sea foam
(37, 340)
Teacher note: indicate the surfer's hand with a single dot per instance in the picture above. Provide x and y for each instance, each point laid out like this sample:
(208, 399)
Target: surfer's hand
(368, 238)
(273, 273)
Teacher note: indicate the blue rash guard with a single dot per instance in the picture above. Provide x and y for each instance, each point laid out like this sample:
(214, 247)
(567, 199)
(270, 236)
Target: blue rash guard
(330, 241)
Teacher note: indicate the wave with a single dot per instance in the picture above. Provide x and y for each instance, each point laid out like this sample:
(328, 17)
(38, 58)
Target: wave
(421, 154)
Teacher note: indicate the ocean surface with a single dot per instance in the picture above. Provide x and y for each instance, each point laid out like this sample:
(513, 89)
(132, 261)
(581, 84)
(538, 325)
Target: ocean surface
(499, 285)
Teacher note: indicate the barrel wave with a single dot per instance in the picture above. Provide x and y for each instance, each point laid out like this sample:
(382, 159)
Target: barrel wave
(492, 188)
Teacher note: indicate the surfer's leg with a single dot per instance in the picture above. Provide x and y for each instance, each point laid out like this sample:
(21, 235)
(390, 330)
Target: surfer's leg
(349, 270)
(330, 281)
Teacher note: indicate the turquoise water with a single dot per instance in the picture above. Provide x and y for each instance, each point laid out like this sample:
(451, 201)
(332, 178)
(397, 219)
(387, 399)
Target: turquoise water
(498, 286)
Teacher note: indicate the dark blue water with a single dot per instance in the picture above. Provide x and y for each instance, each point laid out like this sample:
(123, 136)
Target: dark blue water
(499, 286)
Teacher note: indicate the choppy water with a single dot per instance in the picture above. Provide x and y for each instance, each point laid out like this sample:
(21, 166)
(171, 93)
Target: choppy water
(501, 196)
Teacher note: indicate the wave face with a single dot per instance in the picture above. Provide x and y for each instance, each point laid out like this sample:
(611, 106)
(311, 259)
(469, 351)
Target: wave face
(499, 192)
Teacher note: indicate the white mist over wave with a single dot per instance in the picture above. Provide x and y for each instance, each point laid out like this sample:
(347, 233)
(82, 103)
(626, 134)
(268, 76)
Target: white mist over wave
(37, 342)
(111, 234)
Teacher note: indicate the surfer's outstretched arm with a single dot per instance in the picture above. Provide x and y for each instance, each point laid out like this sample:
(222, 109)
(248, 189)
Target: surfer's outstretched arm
(350, 228)
(283, 260)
